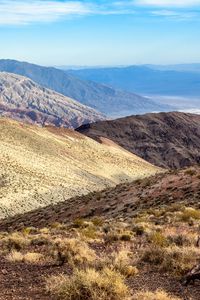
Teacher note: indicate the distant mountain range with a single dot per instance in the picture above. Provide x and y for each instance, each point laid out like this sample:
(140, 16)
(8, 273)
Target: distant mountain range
(23, 99)
(152, 80)
(105, 99)
(194, 68)
(169, 140)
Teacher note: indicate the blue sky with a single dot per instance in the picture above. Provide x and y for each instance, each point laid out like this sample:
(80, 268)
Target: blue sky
(53, 32)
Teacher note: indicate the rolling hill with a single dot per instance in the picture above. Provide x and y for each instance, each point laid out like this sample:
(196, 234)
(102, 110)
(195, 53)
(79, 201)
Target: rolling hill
(42, 166)
(104, 98)
(145, 80)
(23, 99)
(169, 140)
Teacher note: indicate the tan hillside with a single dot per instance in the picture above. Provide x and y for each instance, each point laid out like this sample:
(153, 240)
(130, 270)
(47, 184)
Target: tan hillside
(42, 166)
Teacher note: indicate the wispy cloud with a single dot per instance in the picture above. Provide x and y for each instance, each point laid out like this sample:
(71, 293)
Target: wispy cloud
(23, 12)
(177, 15)
(168, 3)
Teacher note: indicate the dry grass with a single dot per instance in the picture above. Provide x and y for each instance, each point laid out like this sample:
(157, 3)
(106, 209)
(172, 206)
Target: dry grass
(89, 284)
(14, 241)
(74, 252)
(176, 260)
(121, 261)
(30, 257)
(158, 295)
(190, 213)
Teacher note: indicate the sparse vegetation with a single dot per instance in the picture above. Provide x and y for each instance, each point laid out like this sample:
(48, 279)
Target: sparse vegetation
(89, 284)
(158, 295)
(110, 258)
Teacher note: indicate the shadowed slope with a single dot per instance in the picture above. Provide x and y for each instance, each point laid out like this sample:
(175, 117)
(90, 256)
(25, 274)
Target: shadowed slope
(165, 139)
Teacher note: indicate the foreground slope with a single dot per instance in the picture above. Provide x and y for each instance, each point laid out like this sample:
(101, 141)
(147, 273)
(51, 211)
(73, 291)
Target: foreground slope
(165, 139)
(40, 166)
(140, 237)
(23, 99)
(104, 98)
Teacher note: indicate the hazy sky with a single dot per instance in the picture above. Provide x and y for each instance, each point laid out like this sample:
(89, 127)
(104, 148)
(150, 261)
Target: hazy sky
(53, 32)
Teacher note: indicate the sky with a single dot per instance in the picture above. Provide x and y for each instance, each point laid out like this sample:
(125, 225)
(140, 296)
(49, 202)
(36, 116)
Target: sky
(99, 32)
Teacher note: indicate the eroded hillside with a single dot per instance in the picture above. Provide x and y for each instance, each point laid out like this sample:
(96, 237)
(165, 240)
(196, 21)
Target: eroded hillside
(23, 99)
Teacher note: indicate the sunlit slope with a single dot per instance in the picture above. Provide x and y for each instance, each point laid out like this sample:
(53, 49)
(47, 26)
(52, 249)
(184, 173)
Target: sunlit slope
(42, 166)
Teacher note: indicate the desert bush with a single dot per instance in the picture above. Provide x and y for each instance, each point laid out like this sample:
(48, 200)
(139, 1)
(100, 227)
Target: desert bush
(126, 236)
(89, 284)
(29, 230)
(14, 256)
(97, 221)
(172, 259)
(40, 240)
(14, 241)
(90, 232)
(79, 223)
(33, 257)
(121, 261)
(45, 230)
(158, 295)
(73, 251)
(153, 255)
(189, 213)
(158, 239)
(138, 229)
(181, 240)
(190, 172)
(111, 237)
(30, 257)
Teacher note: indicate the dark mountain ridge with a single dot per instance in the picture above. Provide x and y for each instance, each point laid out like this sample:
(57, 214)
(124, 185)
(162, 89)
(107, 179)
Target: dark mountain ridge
(169, 140)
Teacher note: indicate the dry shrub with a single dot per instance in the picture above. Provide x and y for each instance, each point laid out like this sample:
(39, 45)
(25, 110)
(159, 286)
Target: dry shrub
(126, 236)
(158, 295)
(189, 213)
(122, 262)
(153, 255)
(90, 232)
(180, 260)
(172, 259)
(40, 240)
(30, 257)
(33, 257)
(29, 230)
(119, 261)
(158, 239)
(14, 241)
(15, 256)
(97, 221)
(182, 240)
(89, 284)
(74, 251)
